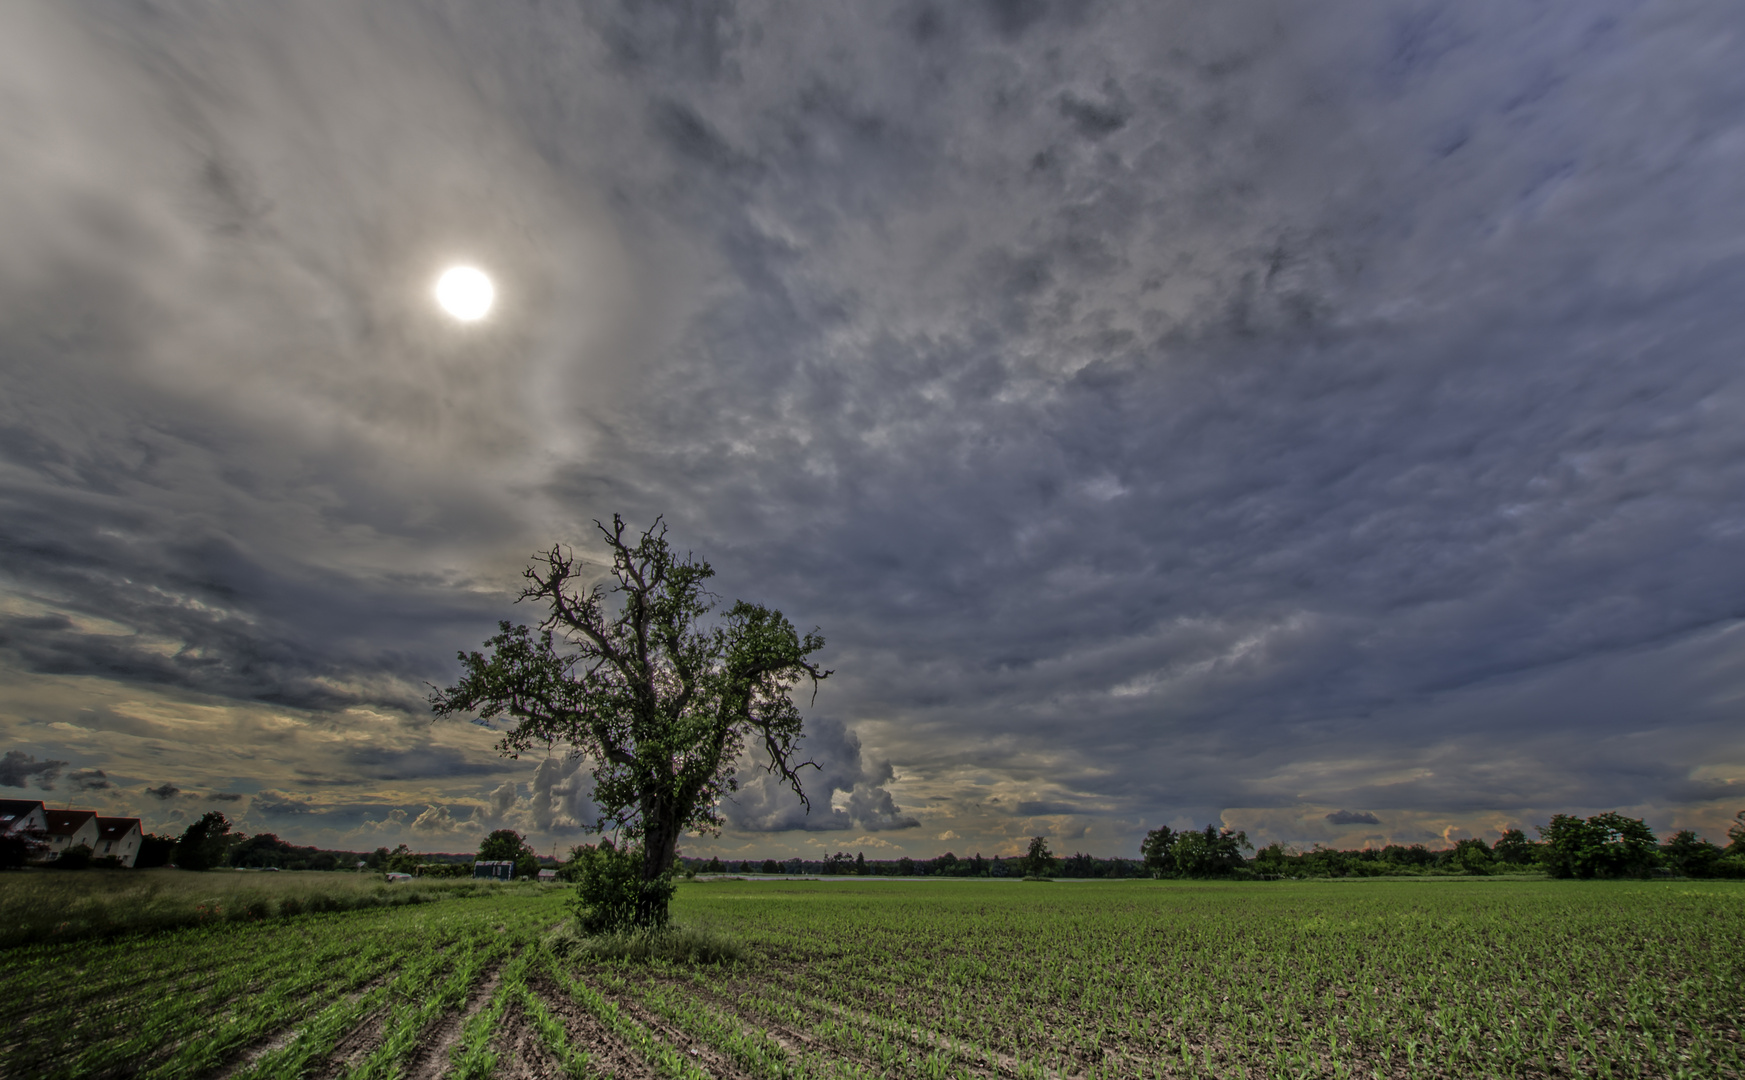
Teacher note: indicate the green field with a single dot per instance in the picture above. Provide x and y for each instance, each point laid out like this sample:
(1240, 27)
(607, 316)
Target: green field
(1435, 978)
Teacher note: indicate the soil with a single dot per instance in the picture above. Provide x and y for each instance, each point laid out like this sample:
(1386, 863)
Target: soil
(606, 1052)
(430, 1060)
(354, 1046)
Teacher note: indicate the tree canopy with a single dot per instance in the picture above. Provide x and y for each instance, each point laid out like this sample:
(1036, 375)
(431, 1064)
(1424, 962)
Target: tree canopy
(630, 677)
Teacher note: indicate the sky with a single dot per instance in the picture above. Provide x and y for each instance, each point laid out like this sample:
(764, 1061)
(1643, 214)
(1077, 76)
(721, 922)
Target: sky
(1321, 420)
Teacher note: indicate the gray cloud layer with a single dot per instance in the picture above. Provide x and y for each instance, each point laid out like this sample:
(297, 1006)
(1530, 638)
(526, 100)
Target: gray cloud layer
(1162, 409)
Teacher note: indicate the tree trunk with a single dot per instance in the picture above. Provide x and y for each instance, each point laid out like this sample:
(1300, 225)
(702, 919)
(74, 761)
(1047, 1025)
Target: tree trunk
(660, 842)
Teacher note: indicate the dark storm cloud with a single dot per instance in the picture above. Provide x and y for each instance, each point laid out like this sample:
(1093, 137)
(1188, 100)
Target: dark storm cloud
(1160, 408)
(1353, 817)
(19, 769)
(163, 791)
(224, 796)
(90, 780)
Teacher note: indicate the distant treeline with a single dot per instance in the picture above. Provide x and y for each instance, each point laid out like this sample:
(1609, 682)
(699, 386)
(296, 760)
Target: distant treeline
(1604, 845)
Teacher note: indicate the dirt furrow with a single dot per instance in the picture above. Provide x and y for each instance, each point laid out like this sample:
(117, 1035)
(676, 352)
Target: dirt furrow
(606, 1052)
(430, 1060)
(354, 1046)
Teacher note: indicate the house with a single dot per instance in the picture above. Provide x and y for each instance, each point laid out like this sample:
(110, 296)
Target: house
(548, 875)
(68, 829)
(118, 838)
(494, 871)
(21, 815)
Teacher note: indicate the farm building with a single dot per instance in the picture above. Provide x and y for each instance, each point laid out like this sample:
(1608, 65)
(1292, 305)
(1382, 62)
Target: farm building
(21, 815)
(548, 875)
(70, 828)
(494, 871)
(118, 838)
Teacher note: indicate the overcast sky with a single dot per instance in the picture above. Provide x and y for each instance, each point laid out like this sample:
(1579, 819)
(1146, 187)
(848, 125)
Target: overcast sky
(1324, 419)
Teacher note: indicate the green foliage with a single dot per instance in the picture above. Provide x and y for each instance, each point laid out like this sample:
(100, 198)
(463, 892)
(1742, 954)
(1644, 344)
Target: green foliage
(503, 845)
(1212, 852)
(611, 895)
(1688, 855)
(1736, 834)
(1514, 849)
(204, 844)
(1470, 856)
(1038, 861)
(662, 703)
(770, 866)
(1154, 852)
(1605, 845)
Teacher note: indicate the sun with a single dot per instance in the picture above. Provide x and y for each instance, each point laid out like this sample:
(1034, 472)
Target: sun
(465, 292)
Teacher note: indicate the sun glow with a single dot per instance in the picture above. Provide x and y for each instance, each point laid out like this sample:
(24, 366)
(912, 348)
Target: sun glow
(465, 293)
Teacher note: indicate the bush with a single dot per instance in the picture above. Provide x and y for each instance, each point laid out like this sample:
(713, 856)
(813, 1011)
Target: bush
(611, 896)
(74, 858)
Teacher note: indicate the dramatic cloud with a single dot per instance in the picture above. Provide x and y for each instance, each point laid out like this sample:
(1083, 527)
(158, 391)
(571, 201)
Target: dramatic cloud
(19, 769)
(1353, 817)
(1169, 412)
(163, 791)
(224, 796)
(844, 792)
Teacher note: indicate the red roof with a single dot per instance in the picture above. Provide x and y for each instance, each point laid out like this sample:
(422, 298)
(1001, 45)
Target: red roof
(16, 810)
(67, 822)
(114, 828)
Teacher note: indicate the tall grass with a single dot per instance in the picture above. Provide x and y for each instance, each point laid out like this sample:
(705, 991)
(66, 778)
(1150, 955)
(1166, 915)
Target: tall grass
(48, 905)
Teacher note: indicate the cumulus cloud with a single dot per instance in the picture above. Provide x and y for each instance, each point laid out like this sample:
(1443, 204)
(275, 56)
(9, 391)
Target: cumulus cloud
(437, 819)
(90, 780)
(19, 769)
(1353, 817)
(765, 803)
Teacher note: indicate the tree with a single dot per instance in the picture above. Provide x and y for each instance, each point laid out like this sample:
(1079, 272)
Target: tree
(1513, 848)
(1605, 845)
(1471, 856)
(1212, 852)
(860, 863)
(770, 866)
(1687, 855)
(1038, 861)
(203, 844)
(1736, 834)
(1155, 851)
(660, 703)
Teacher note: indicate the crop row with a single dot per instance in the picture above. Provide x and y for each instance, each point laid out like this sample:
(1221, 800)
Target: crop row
(934, 980)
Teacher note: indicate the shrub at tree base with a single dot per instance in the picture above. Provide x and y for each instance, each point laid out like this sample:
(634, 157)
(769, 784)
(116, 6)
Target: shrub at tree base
(610, 892)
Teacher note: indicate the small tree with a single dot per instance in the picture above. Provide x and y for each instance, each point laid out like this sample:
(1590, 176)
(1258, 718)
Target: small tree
(1038, 861)
(1736, 834)
(661, 703)
(204, 843)
(860, 863)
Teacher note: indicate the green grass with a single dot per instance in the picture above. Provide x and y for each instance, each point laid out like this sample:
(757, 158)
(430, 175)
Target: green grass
(1390, 978)
(50, 905)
